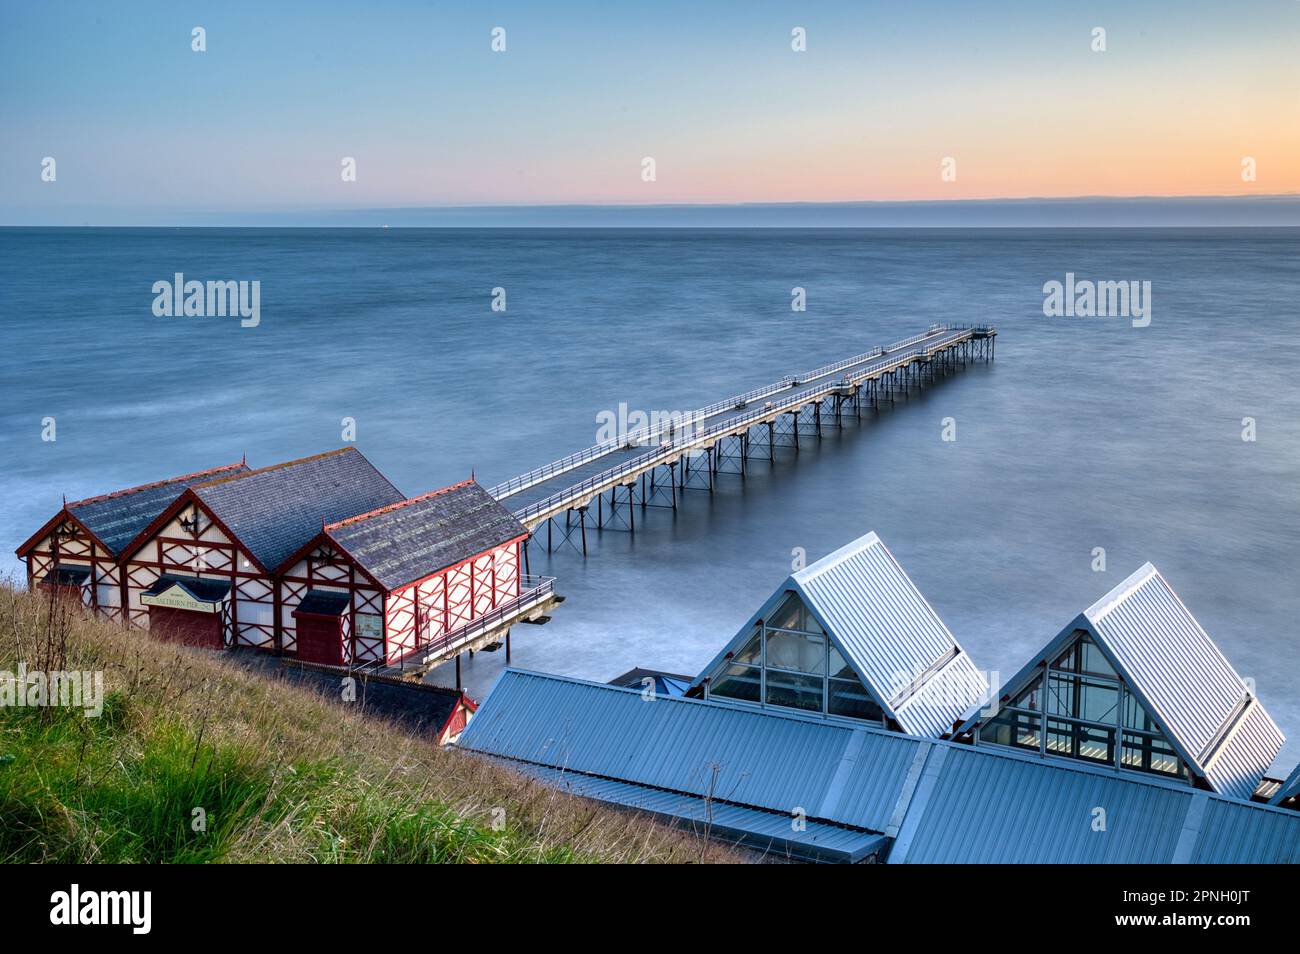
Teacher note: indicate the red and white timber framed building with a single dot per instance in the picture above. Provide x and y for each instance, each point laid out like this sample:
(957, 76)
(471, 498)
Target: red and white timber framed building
(203, 571)
(77, 551)
(405, 579)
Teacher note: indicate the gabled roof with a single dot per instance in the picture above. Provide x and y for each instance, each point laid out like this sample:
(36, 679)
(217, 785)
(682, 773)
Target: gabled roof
(115, 519)
(900, 649)
(275, 510)
(935, 800)
(407, 541)
(1184, 681)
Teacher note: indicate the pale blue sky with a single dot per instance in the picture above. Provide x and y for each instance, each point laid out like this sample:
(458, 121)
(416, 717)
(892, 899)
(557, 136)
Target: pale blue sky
(145, 129)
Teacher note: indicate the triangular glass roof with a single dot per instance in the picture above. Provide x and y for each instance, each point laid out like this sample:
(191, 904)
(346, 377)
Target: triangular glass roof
(1174, 689)
(878, 646)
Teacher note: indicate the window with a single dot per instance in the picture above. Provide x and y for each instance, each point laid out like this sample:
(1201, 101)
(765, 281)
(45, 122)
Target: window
(793, 614)
(752, 649)
(738, 682)
(1151, 753)
(1013, 727)
(1091, 716)
(799, 652)
(787, 661)
(794, 691)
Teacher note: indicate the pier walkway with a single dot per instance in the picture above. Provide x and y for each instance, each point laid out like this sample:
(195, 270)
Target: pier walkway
(651, 465)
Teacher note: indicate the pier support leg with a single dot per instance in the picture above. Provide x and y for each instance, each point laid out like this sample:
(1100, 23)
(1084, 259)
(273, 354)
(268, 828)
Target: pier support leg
(771, 441)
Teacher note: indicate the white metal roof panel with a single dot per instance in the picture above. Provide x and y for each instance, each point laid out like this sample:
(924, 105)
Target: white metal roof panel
(1189, 685)
(1246, 753)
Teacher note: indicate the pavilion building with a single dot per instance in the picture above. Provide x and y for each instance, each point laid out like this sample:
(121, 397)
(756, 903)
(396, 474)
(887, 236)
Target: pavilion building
(77, 551)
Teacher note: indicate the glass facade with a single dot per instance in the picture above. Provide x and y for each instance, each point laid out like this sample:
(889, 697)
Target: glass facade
(788, 662)
(1089, 714)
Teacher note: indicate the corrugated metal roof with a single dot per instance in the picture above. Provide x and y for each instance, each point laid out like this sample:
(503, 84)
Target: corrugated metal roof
(1243, 833)
(990, 807)
(413, 539)
(896, 643)
(945, 802)
(748, 756)
(763, 831)
(276, 510)
(118, 517)
(1185, 681)
(1246, 753)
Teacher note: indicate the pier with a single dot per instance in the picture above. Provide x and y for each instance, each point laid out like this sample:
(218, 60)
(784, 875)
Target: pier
(653, 466)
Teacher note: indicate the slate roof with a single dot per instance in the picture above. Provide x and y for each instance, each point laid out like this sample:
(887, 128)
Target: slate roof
(900, 649)
(416, 706)
(274, 511)
(208, 590)
(66, 574)
(408, 541)
(116, 518)
(323, 603)
(935, 800)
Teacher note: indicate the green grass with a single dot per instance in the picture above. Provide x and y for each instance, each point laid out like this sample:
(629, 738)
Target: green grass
(269, 772)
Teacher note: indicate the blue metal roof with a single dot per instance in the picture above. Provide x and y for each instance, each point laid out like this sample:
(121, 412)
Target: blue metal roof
(768, 832)
(937, 801)
(882, 625)
(746, 756)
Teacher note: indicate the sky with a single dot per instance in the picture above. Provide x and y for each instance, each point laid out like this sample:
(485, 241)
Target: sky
(145, 129)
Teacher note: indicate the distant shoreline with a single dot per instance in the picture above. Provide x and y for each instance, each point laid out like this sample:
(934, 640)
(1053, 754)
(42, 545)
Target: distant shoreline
(1276, 211)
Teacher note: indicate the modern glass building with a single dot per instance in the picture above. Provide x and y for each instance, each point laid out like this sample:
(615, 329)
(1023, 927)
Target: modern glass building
(1136, 684)
(849, 637)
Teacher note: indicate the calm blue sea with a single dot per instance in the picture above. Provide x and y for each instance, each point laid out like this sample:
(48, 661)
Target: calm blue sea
(1084, 433)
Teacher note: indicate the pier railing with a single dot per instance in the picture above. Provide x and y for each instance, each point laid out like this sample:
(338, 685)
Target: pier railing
(671, 451)
(533, 590)
(645, 435)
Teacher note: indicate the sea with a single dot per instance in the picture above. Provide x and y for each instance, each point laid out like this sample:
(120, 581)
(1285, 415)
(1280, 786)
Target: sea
(1088, 447)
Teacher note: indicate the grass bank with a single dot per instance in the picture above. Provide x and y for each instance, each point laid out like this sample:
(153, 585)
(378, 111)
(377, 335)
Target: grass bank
(197, 759)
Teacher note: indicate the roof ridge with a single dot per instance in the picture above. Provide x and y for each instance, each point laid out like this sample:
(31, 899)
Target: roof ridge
(1122, 589)
(279, 466)
(399, 505)
(819, 566)
(150, 486)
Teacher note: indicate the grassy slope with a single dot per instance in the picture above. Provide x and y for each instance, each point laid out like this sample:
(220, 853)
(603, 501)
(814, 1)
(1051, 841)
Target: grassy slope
(282, 774)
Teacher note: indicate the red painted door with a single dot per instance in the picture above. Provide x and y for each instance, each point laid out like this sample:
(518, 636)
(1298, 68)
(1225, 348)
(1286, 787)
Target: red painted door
(320, 640)
(187, 627)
